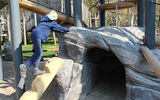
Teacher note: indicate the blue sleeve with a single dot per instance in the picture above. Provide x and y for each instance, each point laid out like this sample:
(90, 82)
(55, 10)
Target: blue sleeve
(59, 28)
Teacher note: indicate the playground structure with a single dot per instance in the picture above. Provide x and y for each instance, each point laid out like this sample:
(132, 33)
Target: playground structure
(123, 46)
(119, 5)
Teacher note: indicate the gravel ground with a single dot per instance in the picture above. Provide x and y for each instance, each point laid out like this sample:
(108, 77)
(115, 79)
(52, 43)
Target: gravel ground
(103, 90)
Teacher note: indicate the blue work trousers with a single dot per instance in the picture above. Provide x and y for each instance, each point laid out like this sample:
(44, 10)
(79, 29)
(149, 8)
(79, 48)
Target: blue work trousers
(36, 57)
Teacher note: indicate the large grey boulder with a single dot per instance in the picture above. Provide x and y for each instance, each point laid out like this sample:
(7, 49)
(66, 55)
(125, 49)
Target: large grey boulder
(77, 75)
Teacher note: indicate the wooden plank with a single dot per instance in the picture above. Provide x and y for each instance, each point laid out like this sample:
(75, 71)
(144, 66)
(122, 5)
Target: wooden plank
(120, 5)
(113, 6)
(3, 35)
(45, 50)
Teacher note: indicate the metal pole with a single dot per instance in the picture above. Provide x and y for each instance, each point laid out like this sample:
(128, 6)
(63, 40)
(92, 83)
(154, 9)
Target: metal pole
(1, 63)
(77, 13)
(16, 42)
(102, 15)
(149, 24)
(140, 5)
(68, 7)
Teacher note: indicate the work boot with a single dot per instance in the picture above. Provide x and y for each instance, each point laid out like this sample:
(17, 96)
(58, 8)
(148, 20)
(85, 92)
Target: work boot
(23, 70)
(39, 72)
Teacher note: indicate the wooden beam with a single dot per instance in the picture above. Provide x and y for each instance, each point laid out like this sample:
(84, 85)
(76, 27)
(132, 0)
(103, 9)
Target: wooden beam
(3, 35)
(113, 6)
(41, 82)
(120, 5)
(151, 59)
(31, 6)
(45, 50)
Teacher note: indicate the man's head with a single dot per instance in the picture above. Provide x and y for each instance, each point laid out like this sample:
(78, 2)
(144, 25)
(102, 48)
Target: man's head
(53, 13)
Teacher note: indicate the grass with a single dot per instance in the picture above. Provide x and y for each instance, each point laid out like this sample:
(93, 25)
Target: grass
(48, 45)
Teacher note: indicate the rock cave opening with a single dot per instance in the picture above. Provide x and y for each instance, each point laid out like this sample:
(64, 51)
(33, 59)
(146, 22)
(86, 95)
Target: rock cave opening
(109, 75)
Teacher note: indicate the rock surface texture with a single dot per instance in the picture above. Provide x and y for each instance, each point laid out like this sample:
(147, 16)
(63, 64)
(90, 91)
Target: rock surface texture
(75, 79)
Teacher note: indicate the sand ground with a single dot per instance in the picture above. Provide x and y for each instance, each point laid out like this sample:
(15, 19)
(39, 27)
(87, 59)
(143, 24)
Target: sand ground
(7, 86)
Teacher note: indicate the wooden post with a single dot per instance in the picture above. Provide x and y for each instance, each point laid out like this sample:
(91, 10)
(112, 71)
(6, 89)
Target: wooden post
(90, 20)
(128, 16)
(132, 19)
(116, 16)
(95, 20)
(62, 5)
(35, 19)
(8, 27)
(54, 38)
(24, 30)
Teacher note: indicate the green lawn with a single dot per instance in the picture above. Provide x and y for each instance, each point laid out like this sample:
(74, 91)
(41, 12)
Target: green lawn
(48, 45)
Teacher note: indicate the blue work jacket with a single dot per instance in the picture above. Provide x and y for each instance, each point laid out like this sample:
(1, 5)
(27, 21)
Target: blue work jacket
(47, 24)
